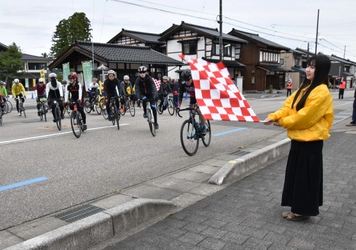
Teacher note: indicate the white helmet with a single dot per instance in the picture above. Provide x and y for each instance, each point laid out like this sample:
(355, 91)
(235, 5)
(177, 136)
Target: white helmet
(126, 77)
(111, 72)
(41, 80)
(16, 80)
(52, 75)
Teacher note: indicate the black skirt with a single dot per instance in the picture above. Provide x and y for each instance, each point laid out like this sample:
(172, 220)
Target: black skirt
(303, 184)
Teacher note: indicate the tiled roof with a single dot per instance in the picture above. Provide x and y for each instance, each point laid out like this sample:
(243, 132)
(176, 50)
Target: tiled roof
(3, 46)
(208, 32)
(257, 38)
(128, 54)
(143, 37)
(27, 57)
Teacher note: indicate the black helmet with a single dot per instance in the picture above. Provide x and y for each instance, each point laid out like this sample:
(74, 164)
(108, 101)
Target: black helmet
(142, 69)
(186, 75)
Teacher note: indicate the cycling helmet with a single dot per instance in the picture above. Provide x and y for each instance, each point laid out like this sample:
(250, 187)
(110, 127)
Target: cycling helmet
(2, 83)
(73, 75)
(111, 72)
(52, 75)
(142, 69)
(16, 80)
(41, 80)
(126, 77)
(186, 75)
(165, 78)
(94, 79)
(64, 82)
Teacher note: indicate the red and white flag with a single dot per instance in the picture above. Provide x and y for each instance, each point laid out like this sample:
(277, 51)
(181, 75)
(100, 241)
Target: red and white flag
(157, 82)
(217, 96)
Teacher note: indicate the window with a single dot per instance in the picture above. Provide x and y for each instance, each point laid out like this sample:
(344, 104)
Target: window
(190, 48)
(227, 49)
(37, 66)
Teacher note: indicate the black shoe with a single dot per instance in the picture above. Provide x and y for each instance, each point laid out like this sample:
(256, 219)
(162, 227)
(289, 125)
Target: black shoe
(62, 116)
(54, 120)
(145, 115)
(156, 126)
(110, 118)
(85, 127)
(39, 113)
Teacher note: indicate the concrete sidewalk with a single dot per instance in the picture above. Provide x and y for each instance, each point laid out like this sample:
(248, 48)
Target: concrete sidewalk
(247, 214)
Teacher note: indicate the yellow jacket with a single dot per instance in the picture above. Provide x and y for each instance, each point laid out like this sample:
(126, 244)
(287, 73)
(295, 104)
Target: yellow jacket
(17, 89)
(313, 121)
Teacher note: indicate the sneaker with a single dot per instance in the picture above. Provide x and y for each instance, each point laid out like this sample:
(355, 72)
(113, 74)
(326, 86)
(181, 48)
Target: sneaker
(203, 130)
(145, 115)
(54, 120)
(156, 126)
(110, 118)
(85, 127)
(39, 113)
(62, 116)
(19, 114)
(351, 124)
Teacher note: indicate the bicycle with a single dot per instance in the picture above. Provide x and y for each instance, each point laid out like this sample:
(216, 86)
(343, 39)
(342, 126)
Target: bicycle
(76, 121)
(191, 132)
(66, 110)
(57, 115)
(21, 106)
(167, 102)
(8, 105)
(100, 104)
(43, 109)
(150, 119)
(129, 105)
(115, 114)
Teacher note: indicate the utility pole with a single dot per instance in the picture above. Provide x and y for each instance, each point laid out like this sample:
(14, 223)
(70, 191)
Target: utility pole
(344, 51)
(221, 45)
(317, 31)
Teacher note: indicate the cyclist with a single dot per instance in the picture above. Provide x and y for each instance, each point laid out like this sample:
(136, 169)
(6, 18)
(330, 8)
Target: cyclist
(175, 89)
(188, 86)
(163, 91)
(93, 90)
(75, 90)
(3, 94)
(54, 92)
(146, 90)
(127, 86)
(18, 90)
(40, 92)
(111, 89)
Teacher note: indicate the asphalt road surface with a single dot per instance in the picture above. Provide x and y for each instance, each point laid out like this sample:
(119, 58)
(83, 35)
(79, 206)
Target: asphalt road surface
(43, 170)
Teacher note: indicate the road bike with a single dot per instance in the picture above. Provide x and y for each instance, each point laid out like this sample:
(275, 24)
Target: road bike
(128, 105)
(99, 104)
(168, 103)
(150, 119)
(66, 110)
(43, 109)
(114, 113)
(191, 131)
(76, 121)
(21, 106)
(57, 115)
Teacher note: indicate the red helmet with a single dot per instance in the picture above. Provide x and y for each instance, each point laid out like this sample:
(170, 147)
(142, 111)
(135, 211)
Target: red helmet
(73, 75)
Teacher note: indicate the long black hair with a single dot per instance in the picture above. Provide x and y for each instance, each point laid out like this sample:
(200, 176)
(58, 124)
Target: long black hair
(322, 67)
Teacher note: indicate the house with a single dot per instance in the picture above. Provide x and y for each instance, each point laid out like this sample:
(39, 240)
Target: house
(124, 59)
(263, 62)
(202, 42)
(292, 59)
(345, 68)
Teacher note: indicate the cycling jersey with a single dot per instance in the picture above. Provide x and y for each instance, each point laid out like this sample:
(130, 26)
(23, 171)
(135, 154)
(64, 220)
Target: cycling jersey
(191, 91)
(75, 91)
(17, 89)
(54, 89)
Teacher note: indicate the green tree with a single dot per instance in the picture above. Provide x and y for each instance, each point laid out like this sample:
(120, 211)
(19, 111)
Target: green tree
(11, 64)
(76, 27)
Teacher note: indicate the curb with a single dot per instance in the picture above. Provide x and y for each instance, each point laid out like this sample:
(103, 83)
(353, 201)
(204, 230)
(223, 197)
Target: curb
(245, 165)
(98, 228)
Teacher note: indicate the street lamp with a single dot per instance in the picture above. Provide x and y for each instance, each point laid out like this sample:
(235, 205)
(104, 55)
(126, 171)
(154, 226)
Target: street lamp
(103, 68)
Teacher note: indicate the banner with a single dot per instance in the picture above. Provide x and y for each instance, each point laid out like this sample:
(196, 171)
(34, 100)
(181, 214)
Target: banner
(88, 73)
(66, 71)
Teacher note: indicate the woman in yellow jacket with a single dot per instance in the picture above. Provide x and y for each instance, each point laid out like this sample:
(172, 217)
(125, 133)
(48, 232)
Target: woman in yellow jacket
(18, 90)
(307, 115)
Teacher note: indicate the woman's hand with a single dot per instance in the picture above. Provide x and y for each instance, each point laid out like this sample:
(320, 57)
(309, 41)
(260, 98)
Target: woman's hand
(267, 121)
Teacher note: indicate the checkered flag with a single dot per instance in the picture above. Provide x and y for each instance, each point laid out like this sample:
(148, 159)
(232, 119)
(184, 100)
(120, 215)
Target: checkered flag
(217, 96)
(158, 83)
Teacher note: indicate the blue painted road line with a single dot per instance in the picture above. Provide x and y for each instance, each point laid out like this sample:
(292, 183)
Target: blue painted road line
(230, 131)
(23, 183)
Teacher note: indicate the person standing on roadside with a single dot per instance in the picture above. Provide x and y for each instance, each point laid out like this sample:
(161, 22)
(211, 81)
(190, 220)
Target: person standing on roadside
(307, 115)
(342, 87)
(289, 87)
(353, 122)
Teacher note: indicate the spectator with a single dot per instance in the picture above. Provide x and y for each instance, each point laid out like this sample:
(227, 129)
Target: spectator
(289, 87)
(342, 87)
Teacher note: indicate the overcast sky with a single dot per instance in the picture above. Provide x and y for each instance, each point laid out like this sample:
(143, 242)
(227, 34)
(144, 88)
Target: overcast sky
(31, 24)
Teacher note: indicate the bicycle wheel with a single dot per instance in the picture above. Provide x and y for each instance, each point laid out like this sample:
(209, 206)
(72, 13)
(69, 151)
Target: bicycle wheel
(24, 112)
(9, 106)
(188, 138)
(77, 131)
(80, 121)
(57, 114)
(170, 107)
(112, 113)
(87, 106)
(0, 120)
(207, 138)
(151, 122)
(131, 108)
(6, 108)
(117, 118)
(159, 107)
